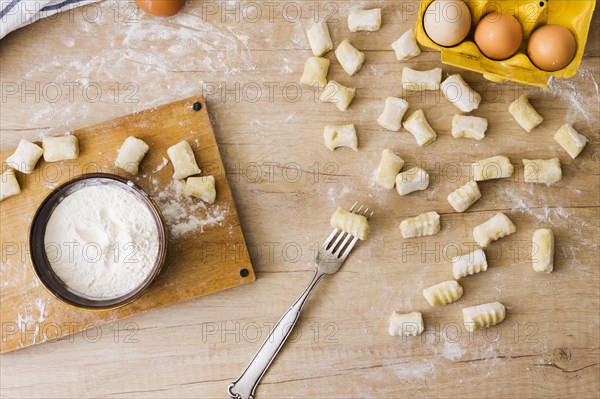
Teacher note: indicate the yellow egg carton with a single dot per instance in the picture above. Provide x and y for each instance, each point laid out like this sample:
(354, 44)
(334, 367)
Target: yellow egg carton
(574, 15)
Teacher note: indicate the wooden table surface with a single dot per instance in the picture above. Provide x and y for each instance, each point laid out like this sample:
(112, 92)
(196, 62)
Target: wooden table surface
(106, 60)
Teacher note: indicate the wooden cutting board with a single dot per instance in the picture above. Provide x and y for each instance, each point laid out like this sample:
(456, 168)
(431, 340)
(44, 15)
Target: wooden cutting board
(206, 253)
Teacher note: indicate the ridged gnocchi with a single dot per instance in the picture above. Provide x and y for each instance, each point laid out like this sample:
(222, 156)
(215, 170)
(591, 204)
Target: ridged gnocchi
(467, 264)
(351, 223)
(483, 316)
(425, 224)
(443, 293)
(465, 196)
(495, 228)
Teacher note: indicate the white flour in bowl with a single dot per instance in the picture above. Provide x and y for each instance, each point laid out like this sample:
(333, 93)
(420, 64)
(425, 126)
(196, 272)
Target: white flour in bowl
(102, 241)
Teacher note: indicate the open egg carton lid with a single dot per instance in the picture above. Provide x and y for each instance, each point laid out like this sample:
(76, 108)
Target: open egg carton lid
(574, 15)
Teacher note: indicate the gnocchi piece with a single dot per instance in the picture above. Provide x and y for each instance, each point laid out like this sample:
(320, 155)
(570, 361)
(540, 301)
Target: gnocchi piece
(25, 157)
(340, 136)
(315, 72)
(542, 251)
(183, 160)
(465, 196)
(525, 115)
(319, 39)
(351, 223)
(467, 264)
(546, 171)
(495, 228)
(459, 93)
(496, 167)
(406, 324)
(9, 185)
(570, 140)
(60, 148)
(414, 179)
(337, 94)
(131, 153)
(418, 126)
(421, 80)
(406, 46)
(349, 57)
(364, 20)
(388, 168)
(391, 117)
(443, 293)
(469, 127)
(483, 316)
(201, 187)
(425, 224)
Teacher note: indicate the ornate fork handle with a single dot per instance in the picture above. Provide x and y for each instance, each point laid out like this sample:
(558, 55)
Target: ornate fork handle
(244, 386)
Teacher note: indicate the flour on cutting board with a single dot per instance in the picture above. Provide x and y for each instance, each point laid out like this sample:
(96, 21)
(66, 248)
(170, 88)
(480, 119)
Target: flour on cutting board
(185, 214)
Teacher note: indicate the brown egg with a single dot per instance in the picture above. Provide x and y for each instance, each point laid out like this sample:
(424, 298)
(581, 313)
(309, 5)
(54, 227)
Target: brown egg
(551, 47)
(161, 8)
(498, 36)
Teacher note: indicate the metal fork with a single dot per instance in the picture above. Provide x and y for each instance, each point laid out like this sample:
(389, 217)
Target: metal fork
(329, 259)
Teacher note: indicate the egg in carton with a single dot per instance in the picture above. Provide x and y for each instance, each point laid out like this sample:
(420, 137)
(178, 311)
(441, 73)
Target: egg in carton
(574, 15)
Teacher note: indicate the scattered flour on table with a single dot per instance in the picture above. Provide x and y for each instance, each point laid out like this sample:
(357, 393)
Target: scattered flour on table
(184, 214)
(453, 350)
(160, 167)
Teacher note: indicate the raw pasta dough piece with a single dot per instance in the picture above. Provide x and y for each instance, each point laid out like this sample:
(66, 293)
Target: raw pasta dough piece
(406, 324)
(414, 179)
(201, 187)
(465, 196)
(418, 126)
(340, 136)
(443, 293)
(315, 72)
(570, 140)
(406, 46)
(483, 316)
(459, 93)
(469, 127)
(340, 95)
(492, 168)
(495, 228)
(425, 224)
(544, 171)
(349, 57)
(542, 252)
(60, 148)
(319, 39)
(25, 157)
(131, 154)
(388, 168)
(391, 117)
(351, 223)
(421, 80)
(525, 115)
(9, 185)
(183, 160)
(467, 264)
(364, 20)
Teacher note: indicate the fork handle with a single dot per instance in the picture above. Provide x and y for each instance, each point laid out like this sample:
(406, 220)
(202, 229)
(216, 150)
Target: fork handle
(245, 385)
